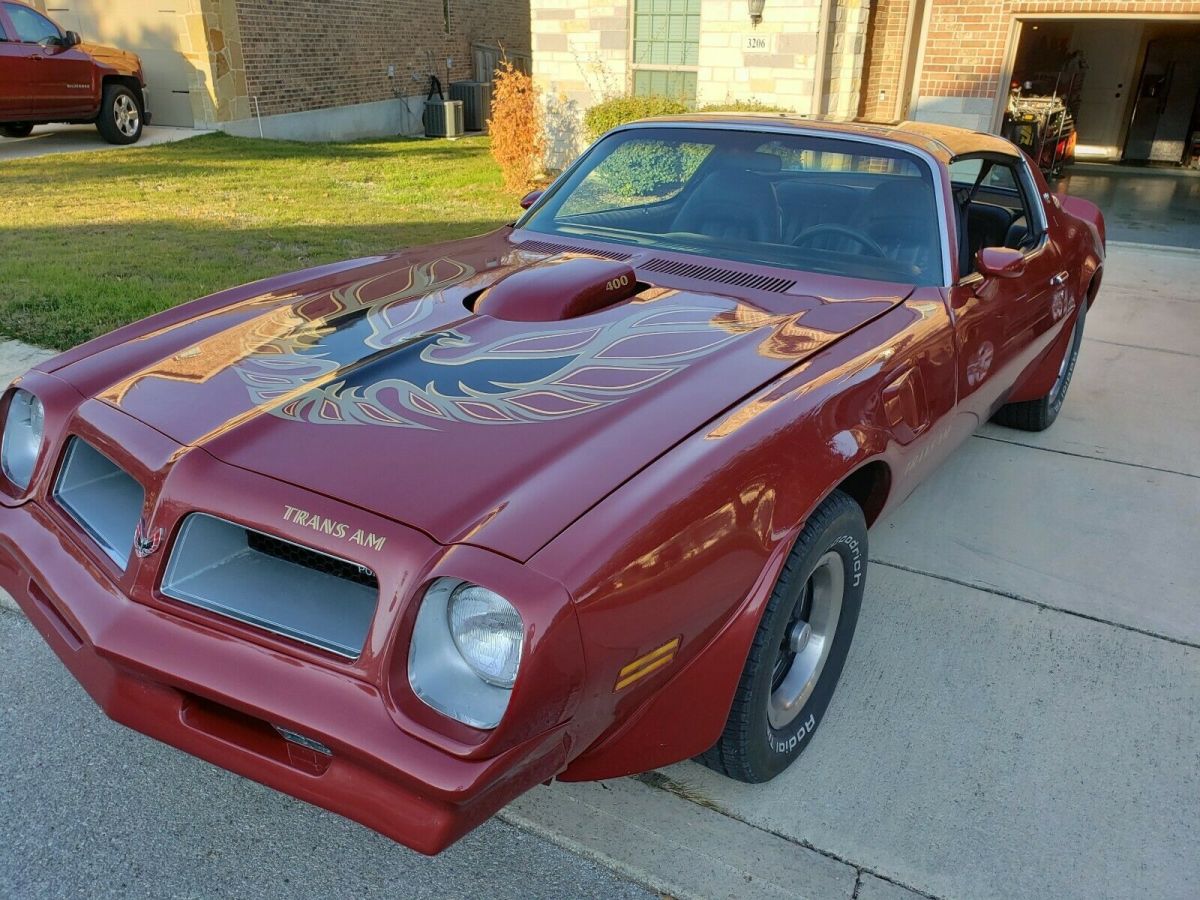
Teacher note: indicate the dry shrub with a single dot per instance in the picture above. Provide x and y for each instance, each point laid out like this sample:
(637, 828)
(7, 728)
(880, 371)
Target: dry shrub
(518, 140)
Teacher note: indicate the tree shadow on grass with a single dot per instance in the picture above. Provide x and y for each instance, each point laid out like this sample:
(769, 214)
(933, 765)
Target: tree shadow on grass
(62, 285)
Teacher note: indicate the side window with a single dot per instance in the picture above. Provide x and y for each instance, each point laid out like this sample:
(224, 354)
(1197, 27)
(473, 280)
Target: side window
(32, 27)
(991, 202)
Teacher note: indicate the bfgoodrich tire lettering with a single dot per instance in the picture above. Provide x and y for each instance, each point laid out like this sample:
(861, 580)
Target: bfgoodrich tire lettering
(763, 736)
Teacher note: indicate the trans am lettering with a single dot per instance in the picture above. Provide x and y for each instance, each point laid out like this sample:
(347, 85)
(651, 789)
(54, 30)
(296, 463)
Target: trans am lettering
(333, 528)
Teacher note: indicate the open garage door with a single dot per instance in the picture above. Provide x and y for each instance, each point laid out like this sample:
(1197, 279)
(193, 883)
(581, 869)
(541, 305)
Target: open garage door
(1129, 87)
(157, 32)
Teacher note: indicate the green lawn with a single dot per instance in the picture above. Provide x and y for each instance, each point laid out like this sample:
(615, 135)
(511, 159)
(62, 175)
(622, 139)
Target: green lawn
(92, 241)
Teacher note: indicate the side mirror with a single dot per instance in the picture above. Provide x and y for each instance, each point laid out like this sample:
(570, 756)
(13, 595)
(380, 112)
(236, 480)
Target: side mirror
(531, 198)
(1000, 262)
(71, 39)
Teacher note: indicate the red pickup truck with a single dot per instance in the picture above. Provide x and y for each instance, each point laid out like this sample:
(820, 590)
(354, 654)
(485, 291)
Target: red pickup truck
(49, 75)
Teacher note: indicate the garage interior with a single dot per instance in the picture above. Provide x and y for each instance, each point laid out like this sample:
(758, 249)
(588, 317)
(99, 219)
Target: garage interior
(1131, 87)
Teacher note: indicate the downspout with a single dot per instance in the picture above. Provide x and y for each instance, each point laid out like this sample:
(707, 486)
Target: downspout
(821, 71)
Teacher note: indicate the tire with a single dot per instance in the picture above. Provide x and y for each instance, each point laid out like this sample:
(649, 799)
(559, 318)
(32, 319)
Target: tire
(1038, 415)
(120, 119)
(764, 734)
(17, 130)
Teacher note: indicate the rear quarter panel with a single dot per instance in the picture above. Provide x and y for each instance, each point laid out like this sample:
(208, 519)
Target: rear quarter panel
(691, 547)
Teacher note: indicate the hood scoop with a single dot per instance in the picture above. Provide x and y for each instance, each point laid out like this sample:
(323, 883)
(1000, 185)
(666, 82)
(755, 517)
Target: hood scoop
(561, 287)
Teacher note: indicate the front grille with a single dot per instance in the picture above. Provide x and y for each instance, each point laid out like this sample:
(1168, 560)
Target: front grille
(311, 559)
(102, 498)
(284, 588)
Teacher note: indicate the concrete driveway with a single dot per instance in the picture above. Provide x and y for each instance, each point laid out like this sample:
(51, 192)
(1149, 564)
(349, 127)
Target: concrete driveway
(48, 139)
(1018, 716)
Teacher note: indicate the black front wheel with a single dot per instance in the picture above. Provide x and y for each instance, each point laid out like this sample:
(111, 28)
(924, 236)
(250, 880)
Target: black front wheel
(800, 647)
(17, 130)
(1039, 414)
(120, 119)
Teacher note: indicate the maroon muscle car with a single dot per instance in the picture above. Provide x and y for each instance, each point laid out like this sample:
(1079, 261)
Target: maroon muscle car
(405, 536)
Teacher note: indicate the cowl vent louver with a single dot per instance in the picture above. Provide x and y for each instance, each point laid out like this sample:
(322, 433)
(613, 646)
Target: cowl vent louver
(723, 276)
(550, 248)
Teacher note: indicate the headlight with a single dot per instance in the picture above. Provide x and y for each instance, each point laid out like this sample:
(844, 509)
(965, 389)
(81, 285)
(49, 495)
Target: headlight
(487, 632)
(22, 440)
(465, 652)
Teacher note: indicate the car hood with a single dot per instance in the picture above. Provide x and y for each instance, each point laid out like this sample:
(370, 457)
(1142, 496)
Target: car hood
(378, 386)
(122, 60)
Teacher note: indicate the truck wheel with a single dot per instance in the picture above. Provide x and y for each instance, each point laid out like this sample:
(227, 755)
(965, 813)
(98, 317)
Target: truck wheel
(17, 130)
(120, 119)
(1038, 415)
(799, 649)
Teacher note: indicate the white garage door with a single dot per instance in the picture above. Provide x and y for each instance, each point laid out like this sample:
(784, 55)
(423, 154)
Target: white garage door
(154, 31)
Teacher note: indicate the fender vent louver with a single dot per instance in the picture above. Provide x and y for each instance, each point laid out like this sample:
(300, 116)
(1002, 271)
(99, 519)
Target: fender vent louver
(724, 276)
(548, 247)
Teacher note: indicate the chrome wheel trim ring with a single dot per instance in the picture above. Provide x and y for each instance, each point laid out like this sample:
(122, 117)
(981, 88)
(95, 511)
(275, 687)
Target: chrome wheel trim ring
(125, 112)
(809, 638)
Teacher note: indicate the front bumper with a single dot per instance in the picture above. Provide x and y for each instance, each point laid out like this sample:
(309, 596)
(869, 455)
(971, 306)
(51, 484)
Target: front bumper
(219, 698)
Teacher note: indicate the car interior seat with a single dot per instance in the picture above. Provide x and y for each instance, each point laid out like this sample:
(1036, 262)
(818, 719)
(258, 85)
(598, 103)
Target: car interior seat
(735, 201)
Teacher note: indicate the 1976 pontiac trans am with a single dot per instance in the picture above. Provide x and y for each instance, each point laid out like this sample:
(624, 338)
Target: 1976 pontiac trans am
(405, 536)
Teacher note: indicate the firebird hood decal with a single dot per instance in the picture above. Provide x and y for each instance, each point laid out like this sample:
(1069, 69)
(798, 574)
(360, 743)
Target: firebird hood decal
(386, 392)
(450, 376)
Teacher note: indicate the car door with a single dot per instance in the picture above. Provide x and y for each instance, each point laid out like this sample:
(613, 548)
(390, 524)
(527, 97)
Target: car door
(1002, 323)
(60, 78)
(16, 72)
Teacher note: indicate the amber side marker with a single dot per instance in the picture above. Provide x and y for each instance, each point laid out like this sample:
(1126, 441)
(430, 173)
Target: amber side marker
(644, 665)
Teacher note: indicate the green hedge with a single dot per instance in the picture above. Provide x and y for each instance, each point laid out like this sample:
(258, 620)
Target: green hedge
(611, 113)
(658, 165)
(752, 106)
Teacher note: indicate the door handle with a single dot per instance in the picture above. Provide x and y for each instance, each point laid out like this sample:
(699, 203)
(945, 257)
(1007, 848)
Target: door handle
(1060, 278)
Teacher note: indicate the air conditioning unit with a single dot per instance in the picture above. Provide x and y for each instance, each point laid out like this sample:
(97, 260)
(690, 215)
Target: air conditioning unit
(476, 97)
(443, 118)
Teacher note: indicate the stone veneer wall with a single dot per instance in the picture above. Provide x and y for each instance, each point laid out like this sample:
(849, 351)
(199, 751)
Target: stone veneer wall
(581, 55)
(220, 92)
(847, 49)
(780, 74)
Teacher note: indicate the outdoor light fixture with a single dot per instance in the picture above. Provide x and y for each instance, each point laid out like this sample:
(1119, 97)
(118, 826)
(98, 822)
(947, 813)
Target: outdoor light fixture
(756, 10)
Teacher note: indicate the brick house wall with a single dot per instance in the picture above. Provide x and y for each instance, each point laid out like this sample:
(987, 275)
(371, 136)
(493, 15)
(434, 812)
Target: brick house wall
(882, 73)
(302, 55)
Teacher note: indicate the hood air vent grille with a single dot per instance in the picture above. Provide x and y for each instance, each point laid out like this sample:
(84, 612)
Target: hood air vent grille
(724, 276)
(548, 247)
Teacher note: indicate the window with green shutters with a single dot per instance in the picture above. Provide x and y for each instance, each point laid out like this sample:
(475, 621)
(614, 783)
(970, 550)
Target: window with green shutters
(666, 48)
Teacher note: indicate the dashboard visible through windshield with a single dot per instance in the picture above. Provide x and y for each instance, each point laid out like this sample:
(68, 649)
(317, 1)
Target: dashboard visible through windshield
(795, 201)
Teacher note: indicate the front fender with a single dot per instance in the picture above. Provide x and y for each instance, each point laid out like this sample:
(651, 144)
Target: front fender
(679, 563)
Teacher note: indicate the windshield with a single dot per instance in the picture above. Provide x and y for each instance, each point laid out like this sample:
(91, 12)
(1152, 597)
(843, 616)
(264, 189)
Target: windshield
(796, 201)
